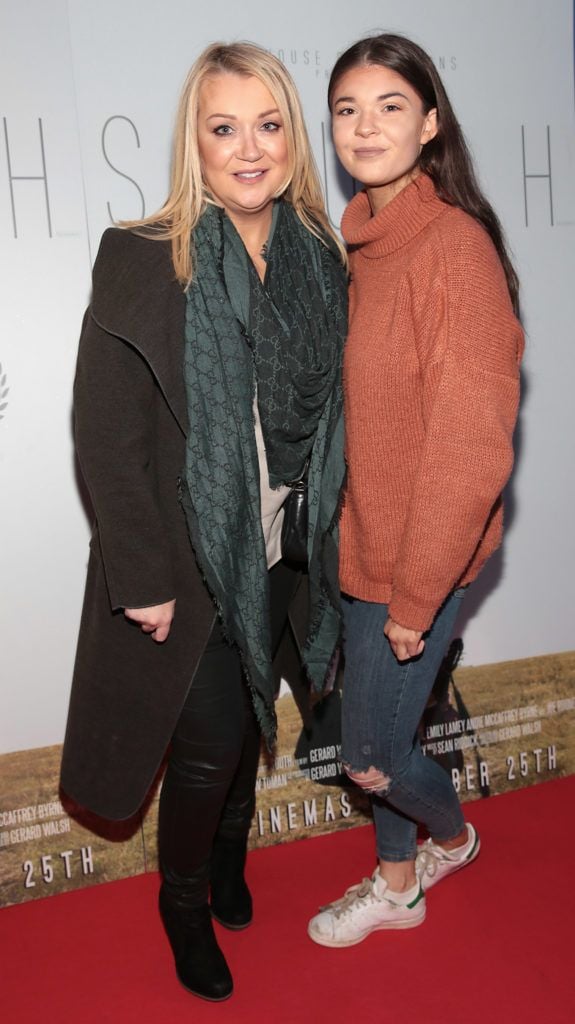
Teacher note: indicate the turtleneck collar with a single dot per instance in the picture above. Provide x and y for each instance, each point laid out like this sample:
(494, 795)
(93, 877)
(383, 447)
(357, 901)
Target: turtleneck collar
(394, 225)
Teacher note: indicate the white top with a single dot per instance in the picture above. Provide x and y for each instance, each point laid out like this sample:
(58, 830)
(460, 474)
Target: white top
(271, 501)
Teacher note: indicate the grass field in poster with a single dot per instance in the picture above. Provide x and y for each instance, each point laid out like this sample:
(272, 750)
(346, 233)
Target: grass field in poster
(514, 727)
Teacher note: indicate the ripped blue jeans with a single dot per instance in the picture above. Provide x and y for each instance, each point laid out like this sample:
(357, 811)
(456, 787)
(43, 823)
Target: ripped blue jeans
(383, 701)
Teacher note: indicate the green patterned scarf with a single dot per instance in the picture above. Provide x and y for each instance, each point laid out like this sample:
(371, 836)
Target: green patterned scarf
(287, 337)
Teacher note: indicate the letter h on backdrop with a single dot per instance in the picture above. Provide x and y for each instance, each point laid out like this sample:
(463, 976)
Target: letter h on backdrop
(528, 175)
(27, 177)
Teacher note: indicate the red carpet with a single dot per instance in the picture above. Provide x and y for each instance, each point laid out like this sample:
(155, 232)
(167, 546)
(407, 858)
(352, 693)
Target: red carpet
(496, 948)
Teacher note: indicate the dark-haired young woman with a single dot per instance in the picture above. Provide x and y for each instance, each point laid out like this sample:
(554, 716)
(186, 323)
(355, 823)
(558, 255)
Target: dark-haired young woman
(431, 386)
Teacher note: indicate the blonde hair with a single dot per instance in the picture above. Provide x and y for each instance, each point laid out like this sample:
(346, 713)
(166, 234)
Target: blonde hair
(188, 196)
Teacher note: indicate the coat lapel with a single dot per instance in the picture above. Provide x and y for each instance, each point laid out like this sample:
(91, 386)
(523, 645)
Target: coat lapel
(138, 299)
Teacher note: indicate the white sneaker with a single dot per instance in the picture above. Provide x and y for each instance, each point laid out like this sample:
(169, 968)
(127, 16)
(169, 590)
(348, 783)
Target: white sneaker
(364, 908)
(433, 863)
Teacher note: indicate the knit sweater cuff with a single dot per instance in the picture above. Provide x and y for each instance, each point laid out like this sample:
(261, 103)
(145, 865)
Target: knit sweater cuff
(412, 614)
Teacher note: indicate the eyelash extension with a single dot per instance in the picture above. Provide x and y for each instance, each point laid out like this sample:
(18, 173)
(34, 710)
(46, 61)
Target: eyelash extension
(273, 125)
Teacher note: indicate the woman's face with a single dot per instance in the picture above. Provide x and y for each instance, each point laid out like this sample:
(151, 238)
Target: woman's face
(242, 143)
(379, 128)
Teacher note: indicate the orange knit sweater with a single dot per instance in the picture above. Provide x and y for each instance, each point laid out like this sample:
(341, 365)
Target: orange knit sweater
(431, 383)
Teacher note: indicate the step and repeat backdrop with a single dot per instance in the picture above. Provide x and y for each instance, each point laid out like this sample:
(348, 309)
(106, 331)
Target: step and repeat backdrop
(87, 101)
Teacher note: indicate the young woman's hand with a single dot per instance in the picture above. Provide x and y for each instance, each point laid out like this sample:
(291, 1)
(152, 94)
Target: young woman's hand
(156, 620)
(405, 643)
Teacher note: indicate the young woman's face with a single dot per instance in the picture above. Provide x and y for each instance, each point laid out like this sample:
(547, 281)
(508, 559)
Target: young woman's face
(379, 129)
(241, 142)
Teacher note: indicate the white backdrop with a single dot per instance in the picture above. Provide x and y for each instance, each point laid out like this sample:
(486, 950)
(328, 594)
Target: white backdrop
(87, 99)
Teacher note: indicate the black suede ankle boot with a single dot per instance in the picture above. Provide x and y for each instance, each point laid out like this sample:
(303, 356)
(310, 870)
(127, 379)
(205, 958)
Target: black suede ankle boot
(231, 901)
(200, 964)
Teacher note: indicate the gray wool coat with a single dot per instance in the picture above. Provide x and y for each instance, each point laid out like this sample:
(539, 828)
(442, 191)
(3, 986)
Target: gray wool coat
(130, 427)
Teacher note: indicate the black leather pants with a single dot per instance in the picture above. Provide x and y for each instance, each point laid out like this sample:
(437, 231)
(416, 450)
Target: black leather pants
(209, 786)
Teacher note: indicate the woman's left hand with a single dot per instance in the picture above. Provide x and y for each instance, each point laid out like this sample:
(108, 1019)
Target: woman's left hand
(405, 643)
(155, 620)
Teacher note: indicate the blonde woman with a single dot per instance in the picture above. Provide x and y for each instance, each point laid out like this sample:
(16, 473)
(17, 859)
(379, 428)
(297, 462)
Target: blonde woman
(208, 379)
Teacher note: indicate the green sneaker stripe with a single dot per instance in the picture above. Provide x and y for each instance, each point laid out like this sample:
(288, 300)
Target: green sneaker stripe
(473, 848)
(419, 897)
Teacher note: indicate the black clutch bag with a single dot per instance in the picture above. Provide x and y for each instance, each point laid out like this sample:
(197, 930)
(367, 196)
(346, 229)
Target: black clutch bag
(294, 527)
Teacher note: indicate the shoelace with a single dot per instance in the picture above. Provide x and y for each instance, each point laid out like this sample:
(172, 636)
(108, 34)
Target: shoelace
(430, 857)
(428, 860)
(363, 891)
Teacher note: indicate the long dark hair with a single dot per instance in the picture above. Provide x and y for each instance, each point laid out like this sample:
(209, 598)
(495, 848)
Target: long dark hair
(446, 158)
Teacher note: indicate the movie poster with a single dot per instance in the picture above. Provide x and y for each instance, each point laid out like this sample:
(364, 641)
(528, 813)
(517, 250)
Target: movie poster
(495, 728)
